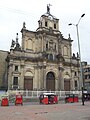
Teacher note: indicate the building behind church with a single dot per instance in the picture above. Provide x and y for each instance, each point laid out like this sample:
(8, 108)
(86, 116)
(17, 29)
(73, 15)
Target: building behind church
(44, 61)
(3, 70)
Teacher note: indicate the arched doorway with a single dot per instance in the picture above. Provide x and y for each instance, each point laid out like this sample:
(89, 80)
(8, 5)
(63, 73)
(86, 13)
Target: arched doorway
(50, 81)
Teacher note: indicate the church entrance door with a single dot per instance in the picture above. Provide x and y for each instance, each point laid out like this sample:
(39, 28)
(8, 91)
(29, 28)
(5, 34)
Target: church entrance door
(66, 84)
(28, 83)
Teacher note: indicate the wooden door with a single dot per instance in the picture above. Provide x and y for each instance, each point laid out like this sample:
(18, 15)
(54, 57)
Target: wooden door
(67, 85)
(28, 83)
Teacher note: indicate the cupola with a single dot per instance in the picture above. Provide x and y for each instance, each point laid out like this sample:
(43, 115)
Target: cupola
(48, 21)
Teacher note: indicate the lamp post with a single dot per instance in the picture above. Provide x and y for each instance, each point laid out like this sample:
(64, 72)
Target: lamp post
(81, 69)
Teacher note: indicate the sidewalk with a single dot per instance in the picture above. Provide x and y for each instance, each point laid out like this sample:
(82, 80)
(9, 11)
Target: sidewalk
(61, 111)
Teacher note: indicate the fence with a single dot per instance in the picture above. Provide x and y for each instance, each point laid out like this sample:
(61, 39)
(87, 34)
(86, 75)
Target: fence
(35, 94)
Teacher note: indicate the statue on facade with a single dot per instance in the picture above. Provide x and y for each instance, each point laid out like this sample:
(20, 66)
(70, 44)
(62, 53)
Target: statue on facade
(17, 44)
(69, 37)
(77, 55)
(12, 44)
(48, 8)
(24, 25)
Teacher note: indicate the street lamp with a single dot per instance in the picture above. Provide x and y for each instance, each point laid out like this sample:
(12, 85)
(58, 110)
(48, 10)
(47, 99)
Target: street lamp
(81, 69)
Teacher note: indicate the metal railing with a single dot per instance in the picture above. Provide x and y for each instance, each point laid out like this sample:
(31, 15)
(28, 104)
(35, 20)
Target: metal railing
(36, 94)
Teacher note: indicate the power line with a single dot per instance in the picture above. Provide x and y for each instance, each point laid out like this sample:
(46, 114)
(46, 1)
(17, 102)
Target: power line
(15, 10)
(27, 13)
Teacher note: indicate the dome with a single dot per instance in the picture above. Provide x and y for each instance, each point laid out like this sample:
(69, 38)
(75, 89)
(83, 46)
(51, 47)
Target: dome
(48, 14)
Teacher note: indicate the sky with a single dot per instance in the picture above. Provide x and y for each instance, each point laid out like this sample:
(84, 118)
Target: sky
(14, 12)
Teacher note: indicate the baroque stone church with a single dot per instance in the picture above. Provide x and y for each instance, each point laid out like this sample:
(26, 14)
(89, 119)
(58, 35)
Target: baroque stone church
(44, 61)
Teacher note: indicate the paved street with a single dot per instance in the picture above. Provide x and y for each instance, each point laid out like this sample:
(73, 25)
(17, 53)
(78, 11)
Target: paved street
(61, 111)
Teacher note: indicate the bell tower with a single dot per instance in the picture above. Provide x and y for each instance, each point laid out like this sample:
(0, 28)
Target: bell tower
(48, 22)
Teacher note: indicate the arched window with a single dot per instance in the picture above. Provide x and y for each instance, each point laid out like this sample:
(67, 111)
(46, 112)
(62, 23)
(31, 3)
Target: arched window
(50, 76)
(54, 26)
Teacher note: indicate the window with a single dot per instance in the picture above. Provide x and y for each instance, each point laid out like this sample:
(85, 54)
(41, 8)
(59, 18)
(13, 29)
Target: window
(75, 73)
(55, 46)
(54, 26)
(15, 81)
(16, 68)
(50, 76)
(46, 23)
(75, 84)
(85, 76)
(85, 70)
(47, 46)
(88, 69)
(89, 76)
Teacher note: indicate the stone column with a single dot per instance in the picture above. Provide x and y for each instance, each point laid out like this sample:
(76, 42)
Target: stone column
(39, 77)
(10, 70)
(56, 83)
(36, 78)
(44, 77)
(72, 84)
(61, 81)
(22, 77)
(62, 84)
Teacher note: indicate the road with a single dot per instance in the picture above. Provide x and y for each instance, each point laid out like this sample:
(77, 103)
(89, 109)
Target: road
(34, 111)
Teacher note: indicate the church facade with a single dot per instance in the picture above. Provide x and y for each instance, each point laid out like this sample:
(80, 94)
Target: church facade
(44, 61)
